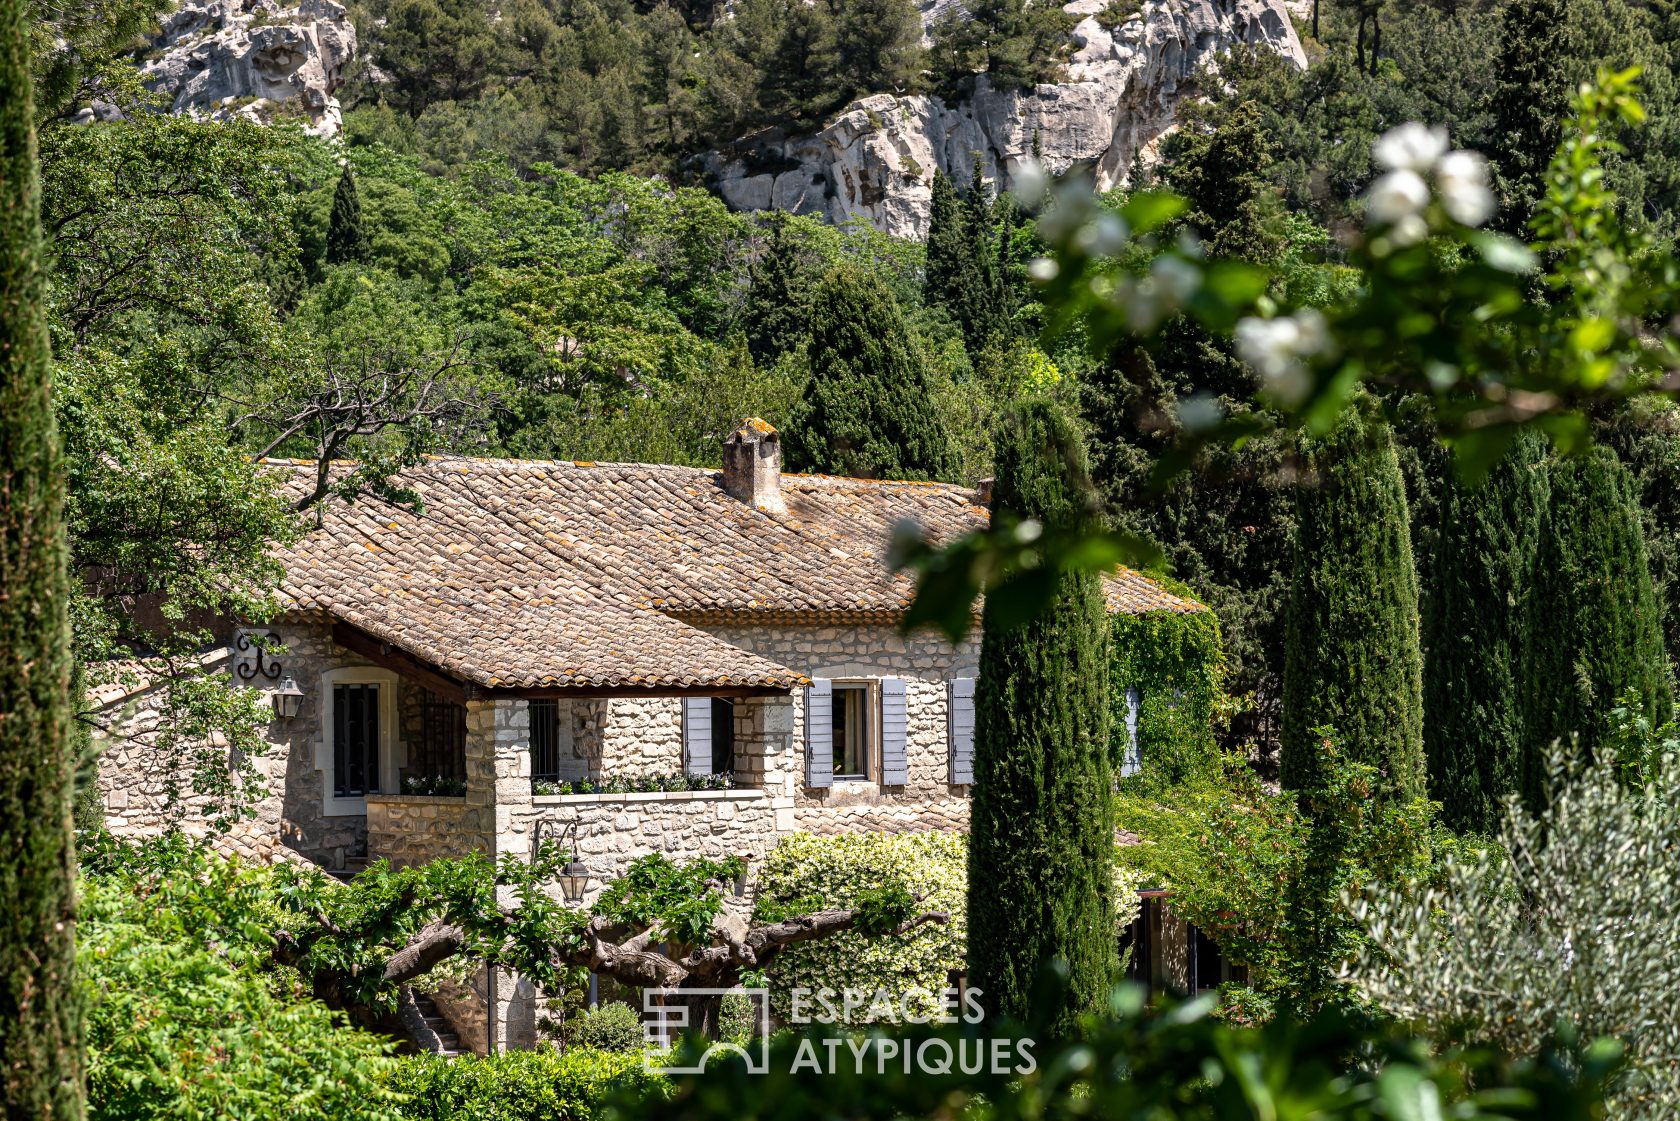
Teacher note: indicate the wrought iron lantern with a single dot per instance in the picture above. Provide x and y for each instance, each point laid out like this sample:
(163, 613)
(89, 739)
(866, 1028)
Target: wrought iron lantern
(574, 874)
(288, 699)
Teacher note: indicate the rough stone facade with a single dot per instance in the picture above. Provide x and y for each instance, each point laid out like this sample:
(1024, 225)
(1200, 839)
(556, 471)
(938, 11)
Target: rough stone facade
(923, 660)
(410, 829)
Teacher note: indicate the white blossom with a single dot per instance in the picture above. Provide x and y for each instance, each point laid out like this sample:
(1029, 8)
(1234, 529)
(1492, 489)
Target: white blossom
(1411, 147)
(1030, 184)
(1278, 348)
(1461, 180)
(1395, 196)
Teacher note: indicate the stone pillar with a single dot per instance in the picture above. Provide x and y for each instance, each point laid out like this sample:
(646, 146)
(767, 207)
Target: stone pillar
(764, 755)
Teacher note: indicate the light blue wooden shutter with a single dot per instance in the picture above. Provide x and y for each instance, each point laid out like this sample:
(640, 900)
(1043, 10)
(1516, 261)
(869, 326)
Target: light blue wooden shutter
(960, 729)
(697, 735)
(1132, 760)
(819, 733)
(895, 726)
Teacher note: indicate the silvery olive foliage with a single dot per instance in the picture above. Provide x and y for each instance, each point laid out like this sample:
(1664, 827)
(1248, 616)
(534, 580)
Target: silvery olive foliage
(1578, 931)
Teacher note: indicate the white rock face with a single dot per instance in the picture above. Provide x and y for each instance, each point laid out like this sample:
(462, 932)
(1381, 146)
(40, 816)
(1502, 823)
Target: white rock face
(254, 58)
(876, 160)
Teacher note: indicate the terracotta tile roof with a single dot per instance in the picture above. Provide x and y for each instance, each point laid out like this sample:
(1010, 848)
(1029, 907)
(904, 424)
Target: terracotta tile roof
(535, 573)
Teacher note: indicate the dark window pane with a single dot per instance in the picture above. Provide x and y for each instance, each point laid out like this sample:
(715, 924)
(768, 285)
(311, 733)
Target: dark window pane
(545, 741)
(442, 748)
(355, 740)
(723, 737)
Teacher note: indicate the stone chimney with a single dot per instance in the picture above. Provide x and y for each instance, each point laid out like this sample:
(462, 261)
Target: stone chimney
(752, 466)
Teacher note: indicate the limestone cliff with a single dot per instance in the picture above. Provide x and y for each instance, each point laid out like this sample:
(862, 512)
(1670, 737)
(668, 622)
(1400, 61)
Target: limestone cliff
(876, 159)
(254, 58)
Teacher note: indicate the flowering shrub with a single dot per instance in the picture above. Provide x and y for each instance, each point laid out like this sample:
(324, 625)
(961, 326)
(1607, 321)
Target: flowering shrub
(805, 873)
(644, 784)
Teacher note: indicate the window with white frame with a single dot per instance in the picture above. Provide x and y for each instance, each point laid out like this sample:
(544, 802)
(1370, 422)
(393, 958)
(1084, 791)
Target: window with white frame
(358, 752)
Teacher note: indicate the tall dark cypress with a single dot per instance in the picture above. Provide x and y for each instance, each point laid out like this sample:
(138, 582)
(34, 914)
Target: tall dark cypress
(1041, 843)
(1595, 629)
(1477, 632)
(774, 318)
(868, 409)
(347, 239)
(1352, 658)
(40, 1017)
(1529, 99)
(947, 245)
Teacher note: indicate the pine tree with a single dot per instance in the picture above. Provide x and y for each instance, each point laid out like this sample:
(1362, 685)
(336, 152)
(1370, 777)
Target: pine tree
(802, 83)
(1478, 633)
(1041, 842)
(347, 240)
(880, 45)
(867, 410)
(1352, 659)
(40, 1015)
(1529, 100)
(1594, 630)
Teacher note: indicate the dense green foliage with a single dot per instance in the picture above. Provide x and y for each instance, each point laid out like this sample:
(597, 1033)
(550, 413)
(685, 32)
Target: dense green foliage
(347, 239)
(1354, 663)
(1594, 633)
(869, 408)
(611, 1026)
(1175, 1063)
(1264, 874)
(1176, 663)
(40, 1013)
(1041, 845)
(804, 873)
(1574, 932)
(542, 1085)
(1478, 634)
(187, 1017)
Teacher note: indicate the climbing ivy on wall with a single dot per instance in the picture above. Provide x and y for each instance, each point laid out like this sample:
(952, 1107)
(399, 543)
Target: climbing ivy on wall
(1175, 661)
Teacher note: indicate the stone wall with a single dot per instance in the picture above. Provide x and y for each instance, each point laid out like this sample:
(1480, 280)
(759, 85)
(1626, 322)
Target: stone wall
(411, 829)
(924, 660)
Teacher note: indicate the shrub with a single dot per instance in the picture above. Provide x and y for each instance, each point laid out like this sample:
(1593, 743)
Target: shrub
(182, 1021)
(612, 1026)
(805, 873)
(538, 1085)
(1175, 661)
(1578, 932)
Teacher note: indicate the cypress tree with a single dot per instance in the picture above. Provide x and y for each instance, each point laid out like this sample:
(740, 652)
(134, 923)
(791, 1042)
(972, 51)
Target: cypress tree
(868, 408)
(774, 318)
(961, 273)
(347, 240)
(1594, 631)
(1478, 633)
(1529, 103)
(949, 266)
(1352, 658)
(1041, 842)
(40, 1018)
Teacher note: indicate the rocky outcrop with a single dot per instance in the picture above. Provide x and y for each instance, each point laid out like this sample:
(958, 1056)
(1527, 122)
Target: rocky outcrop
(876, 160)
(254, 58)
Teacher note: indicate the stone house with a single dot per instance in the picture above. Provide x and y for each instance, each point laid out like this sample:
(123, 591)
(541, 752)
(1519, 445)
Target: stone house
(458, 672)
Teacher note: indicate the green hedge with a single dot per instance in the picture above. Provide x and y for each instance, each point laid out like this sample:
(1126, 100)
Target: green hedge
(1176, 662)
(183, 1020)
(543, 1085)
(806, 873)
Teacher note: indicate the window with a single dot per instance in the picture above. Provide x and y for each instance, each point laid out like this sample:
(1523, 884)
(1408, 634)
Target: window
(853, 731)
(441, 749)
(723, 737)
(355, 740)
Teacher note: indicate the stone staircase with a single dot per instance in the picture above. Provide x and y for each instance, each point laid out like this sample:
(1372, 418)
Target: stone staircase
(431, 1033)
